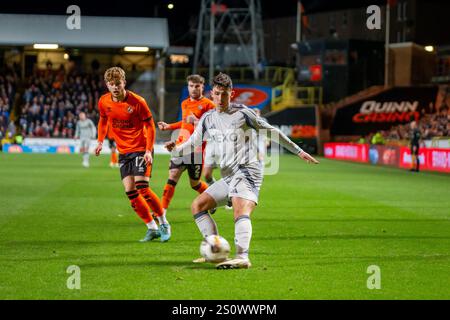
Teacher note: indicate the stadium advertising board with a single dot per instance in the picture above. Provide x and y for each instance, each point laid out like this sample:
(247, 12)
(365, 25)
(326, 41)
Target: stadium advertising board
(299, 124)
(44, 145)
(253, 96)
(395, 106)
(384, 155)
(347, 151)
(431, 159)
(15, 148)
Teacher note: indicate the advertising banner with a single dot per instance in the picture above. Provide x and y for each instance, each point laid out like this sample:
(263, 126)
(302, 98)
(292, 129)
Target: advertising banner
(384, 155)
(438, 159)
(253, 96)
(395, 106)
(55, 145)
(347, 151)
(15, 148)
(431, 159)
(299, 124)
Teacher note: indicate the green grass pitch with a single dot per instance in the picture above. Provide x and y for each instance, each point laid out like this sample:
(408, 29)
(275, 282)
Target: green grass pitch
(315, 233)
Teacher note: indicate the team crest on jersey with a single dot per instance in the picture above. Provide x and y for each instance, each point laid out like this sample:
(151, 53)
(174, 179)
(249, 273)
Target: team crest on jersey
(129, 109)
(200, 107)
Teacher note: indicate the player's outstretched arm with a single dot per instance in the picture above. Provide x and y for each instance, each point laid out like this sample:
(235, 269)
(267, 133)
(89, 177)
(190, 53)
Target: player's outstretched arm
(169, 126)
(307, 157)
(163, 125)
(195, 140)
(258, 123)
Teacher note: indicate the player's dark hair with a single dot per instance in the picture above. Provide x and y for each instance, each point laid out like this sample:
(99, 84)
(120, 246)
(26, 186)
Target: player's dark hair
(195, 78)
(223, 80)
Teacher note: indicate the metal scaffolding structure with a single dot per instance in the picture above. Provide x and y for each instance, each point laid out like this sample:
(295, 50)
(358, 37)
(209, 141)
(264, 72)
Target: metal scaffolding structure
(229, 32)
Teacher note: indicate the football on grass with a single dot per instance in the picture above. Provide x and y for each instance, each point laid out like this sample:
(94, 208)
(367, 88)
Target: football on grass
(215, 248)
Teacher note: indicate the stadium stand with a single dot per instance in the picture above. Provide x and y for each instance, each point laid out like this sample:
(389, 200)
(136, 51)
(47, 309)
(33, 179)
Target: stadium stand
(431, 126)
(53, 100)
(8, 82)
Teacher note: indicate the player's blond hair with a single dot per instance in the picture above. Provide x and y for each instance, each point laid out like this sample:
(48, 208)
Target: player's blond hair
(195, 78)
(114, 74)
(223, 80)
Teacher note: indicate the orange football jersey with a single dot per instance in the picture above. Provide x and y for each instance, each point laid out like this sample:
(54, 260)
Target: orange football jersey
(190, 107)
(126, 121)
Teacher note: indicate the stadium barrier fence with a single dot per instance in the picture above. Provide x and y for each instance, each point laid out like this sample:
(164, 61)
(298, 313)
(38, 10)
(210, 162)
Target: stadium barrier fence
(64, 146)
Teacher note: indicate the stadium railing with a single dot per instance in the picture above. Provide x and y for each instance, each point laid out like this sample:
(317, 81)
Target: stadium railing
(290, 94)
(272, 74)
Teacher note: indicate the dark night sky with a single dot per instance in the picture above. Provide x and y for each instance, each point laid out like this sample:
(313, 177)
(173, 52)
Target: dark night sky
(183, 8)
(181, 19)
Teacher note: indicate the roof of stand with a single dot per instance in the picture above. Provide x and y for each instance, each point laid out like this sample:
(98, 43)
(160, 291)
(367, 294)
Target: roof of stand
(112, 32)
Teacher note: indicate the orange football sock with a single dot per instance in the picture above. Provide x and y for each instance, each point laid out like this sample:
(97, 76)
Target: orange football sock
(169, 190)
(202, 186)
(140, 206)
(152, 199)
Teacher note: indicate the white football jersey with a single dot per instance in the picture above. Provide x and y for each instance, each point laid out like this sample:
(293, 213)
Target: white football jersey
(234, 133)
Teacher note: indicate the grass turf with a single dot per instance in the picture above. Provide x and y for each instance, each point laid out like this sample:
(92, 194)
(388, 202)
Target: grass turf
(315, 232)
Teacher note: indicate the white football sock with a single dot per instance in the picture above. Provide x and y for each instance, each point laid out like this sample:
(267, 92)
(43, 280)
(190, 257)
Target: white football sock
(152, 225)
(162, 219)
(205, 223)
(242, 235)
(86, 157)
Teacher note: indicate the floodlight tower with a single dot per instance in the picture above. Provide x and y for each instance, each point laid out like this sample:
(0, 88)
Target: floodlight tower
(220, 24)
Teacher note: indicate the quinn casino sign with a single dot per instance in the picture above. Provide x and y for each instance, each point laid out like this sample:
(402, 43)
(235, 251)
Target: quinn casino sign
(391, 107)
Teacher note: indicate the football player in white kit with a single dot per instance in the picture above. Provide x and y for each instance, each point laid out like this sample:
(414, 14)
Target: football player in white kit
(233, 129)
(85, 131)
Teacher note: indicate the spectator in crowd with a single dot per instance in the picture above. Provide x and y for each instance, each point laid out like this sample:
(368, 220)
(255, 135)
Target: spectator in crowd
(362, 139)
(378, 138)
(54, 99)
(18, 139)
(430, 126)
(8, 138)
(8, 83)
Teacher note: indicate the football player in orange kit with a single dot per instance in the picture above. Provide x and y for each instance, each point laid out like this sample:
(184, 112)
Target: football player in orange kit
(132, 126)
(192, 110)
